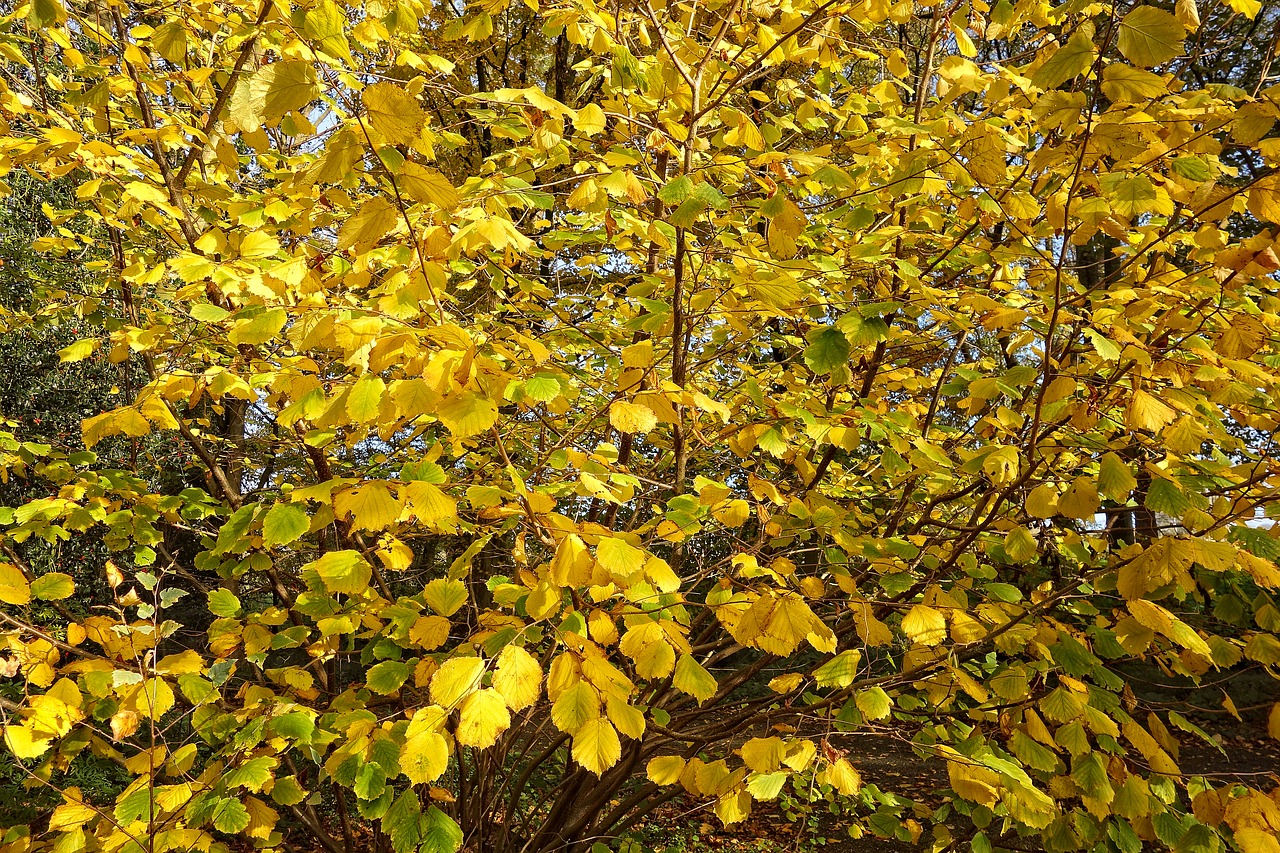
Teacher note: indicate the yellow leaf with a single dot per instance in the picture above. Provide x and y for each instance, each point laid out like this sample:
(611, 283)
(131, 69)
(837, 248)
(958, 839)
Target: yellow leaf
(425, 756)
(393, 113)
(422, 184)
(518, 677)
(665, 769)
(733, 807)
(925, 625)
(572, 563)
(732, 513)
(1126, 85)
(23, 744)
(343, 571)
(692, 678)
(272, 91)
(260, 328)
(374, 219)
(1080, 500)
(431, 506)
(764, 755)
(14, 588)
(364, 400)
(596, 745)
(574, 707)
(1147, 412)
(1149, 35)
(154, 699)
(619, 557)
(974, 783)
(590, 120)
(843, 777)
(455, 679)
(125, 421)
(445, 596)
(258, 244)
(482, 718)
(430, 632)
(646, 644)
(627, 719)
(840, 671)
(1253, 840)
(785, 683)
(638, 354)
(632, 418)
(371, 506)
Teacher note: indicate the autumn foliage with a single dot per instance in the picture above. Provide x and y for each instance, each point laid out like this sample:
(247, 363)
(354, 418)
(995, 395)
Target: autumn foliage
(549, 410)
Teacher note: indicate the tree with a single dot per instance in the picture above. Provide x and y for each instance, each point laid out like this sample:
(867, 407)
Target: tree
(582, 407)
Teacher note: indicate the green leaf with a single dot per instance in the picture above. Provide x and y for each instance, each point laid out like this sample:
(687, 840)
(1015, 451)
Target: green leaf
(253, 774)
(840, 671)
(260, 328)
(687, 213)
(297, 725)
(828, 349)
(1167, 497)
(223, 602)
(1149, 35)
(53, 586)
(283, 524)
(875, 704)
(343, 571)
(676, 190)
(326, 25)
(44, 13)
(1070, 60)
(692, 678)
(387, 677)
(403, 823)
(440, 834)
(1115, 478)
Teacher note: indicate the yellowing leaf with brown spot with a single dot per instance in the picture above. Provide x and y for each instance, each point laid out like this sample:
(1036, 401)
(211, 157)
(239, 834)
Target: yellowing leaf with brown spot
(467, 414)
(482, 717)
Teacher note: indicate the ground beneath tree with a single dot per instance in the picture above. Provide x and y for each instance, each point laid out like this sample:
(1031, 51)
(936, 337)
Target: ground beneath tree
(686, 824)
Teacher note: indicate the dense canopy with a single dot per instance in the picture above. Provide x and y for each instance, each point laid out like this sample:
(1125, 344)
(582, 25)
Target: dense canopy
(496, 419)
